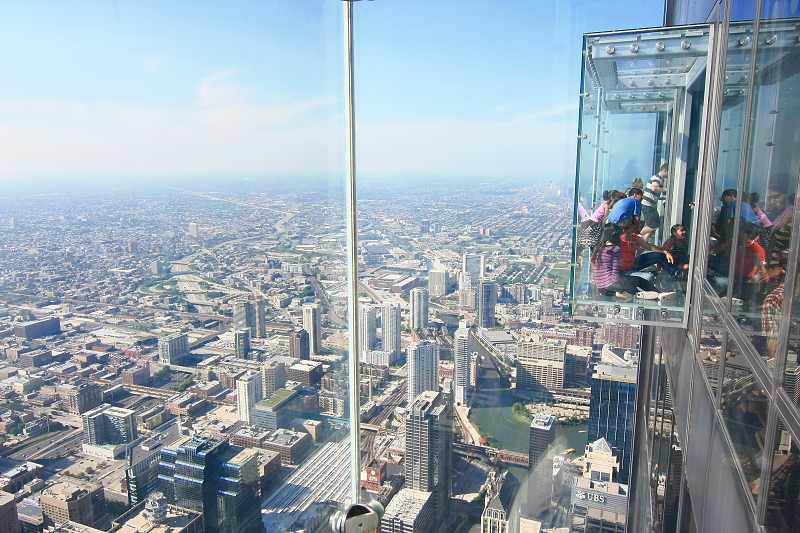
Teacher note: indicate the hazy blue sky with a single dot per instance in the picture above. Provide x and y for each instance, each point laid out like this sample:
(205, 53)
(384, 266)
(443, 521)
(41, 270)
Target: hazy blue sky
(458, 88)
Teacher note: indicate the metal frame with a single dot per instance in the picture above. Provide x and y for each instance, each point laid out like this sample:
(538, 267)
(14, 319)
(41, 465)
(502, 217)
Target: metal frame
(354, 395)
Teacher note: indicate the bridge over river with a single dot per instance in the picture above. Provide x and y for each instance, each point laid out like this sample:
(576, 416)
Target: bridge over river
(506, 456)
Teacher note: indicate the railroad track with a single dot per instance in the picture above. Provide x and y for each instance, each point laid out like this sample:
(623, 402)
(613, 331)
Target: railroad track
(368, 437)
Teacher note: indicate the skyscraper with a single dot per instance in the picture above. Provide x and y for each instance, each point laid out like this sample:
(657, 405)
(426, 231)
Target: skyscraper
(241, 342)
(261, 318)
(612, 411)
(173, 348)
(194, 231)
(205, 473)
(419, 308)
(487, 299)
(390, 329)
(597, 502)
(423, 368)
(437, 282)
(299, 344)
(273, 376)
(462, 356)
(366, 330)
(429, 441)
(244, 316)
(109, 425)
(474, 265)
(312, 323)
(248, 393)
(540, 457)
(519, 293)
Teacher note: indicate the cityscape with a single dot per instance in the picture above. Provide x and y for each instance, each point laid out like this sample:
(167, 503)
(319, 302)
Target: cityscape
(147, 329)
(400, 266)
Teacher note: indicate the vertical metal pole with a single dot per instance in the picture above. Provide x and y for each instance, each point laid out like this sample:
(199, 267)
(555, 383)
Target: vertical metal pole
(352, 260)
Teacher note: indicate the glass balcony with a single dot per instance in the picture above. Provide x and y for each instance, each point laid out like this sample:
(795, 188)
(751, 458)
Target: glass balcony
(642, 106)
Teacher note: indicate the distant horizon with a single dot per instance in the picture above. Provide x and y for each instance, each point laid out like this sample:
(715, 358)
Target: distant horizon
(447, 88)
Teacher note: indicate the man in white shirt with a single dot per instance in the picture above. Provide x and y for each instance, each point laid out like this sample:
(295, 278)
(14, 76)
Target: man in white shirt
(655, 186)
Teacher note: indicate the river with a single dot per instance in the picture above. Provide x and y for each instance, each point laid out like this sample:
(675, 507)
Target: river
(491, 412)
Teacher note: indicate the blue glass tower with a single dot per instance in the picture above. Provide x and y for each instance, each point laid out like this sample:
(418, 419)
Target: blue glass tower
(612, 411)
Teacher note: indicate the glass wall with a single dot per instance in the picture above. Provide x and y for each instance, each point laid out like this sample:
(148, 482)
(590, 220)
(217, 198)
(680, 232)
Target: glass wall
(173, 201)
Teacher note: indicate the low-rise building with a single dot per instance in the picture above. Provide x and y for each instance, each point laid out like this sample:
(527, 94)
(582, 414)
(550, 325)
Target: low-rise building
(290, 445)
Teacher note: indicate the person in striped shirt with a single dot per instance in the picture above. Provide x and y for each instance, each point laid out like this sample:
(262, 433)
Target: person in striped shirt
(652, 193)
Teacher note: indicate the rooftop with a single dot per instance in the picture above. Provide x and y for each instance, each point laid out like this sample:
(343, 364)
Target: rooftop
(543, 421)
(406, 505)
(176, 520)
(276, 398)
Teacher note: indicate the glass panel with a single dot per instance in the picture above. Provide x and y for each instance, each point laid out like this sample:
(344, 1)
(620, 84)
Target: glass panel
(744, 408)
(734, 109)
(178, 170)
(765, 225)
(766, 213)
(461, 219)
(783, 503)
(643, 92)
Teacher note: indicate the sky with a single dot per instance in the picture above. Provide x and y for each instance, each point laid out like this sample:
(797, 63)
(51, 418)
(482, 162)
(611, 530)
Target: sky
(457, 88)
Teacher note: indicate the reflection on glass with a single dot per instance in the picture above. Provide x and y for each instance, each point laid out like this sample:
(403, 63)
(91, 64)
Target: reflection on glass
(783, 503)
(744, 407)
(765, 206)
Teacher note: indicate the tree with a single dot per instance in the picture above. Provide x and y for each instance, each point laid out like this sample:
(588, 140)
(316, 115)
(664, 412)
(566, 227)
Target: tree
(89, 470)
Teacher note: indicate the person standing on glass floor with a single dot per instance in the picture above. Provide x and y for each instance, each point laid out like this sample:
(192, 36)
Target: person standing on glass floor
(652, 193)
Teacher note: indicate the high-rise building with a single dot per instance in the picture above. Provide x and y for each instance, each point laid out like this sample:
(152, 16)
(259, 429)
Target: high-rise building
(13, 223)
(80, 397)
(366, 330)
(248, 393)
(273, 376)
(299, 346)
(277, 410)
(424, 226)
(312, 323)
(109, 425)
(540, 364)
(241, 343)
(540, 457)
(464, 281)
(410, 511)
(437, 282)
(422, 364)
(244, 316)
(419, 308)
(261, 318)
(519, 293)
(475, 266)
(9, 520)
(429, 441)
(172, 349)
(462, 355)
(390, 330)
(487, 300)
(194, 231)
(612, 411)
(597, 503)
(204, 473)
